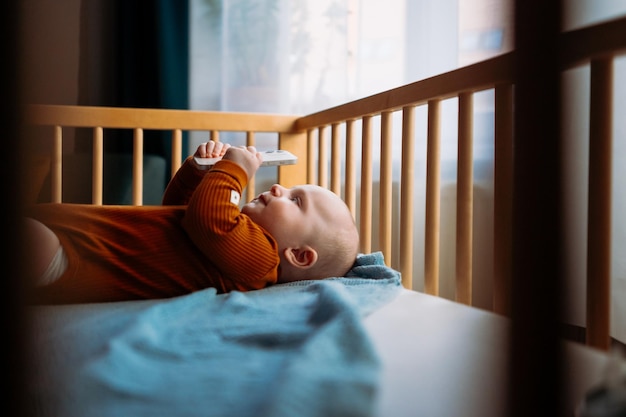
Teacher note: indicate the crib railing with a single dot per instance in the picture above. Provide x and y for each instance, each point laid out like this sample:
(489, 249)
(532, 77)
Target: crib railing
(100, 119)
(495, 74)
(308, 138)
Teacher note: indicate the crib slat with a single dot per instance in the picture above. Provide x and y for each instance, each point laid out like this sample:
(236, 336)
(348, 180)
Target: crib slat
(599, 223)
(137, 180)
(433, 193)
(177, 151)
(297, 144)
(97, 166)
(251, 188)
(406, 196)
(335, 159)
(365, 224)
(350, 187)
(386, 182)
(503, 199)
(322, 155)
(56, 166)
(310, 161)
(464, 201)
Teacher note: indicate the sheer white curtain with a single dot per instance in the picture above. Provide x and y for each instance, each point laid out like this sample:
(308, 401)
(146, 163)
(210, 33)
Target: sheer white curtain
(299, 56)
(294, 56)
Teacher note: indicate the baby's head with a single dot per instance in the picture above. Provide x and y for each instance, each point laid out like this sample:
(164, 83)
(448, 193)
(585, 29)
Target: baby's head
(316, 234)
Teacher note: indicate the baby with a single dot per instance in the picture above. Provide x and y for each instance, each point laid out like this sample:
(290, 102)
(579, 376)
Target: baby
(198, 238)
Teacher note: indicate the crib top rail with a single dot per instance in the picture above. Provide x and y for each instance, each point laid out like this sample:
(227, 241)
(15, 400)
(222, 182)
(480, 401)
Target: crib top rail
(157, 119)
(596, 41)
(474, 77)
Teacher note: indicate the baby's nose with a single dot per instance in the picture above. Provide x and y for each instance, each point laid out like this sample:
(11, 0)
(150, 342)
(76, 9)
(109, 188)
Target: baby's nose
(276, 190)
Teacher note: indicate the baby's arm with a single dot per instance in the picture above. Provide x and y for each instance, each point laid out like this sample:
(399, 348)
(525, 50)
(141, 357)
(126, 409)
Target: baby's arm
(187, 178)
(238, 247)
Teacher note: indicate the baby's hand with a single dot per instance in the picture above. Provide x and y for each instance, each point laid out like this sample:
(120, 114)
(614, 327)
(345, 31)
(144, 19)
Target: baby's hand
(211, 149)
(247, 158)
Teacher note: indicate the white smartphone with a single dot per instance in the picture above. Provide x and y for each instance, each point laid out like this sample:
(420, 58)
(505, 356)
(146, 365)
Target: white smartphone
(270, 158)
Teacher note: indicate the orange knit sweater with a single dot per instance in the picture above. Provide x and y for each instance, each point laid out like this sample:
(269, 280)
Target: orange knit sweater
(197, 239)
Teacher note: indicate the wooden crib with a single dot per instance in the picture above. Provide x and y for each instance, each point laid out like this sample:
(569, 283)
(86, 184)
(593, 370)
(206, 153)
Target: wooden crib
(327, 145)
(308, 138)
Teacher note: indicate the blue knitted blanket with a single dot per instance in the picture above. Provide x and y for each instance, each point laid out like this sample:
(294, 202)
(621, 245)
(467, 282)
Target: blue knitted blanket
(296, 349)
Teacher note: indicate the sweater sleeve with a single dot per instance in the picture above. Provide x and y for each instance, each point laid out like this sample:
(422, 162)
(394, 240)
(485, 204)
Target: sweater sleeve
(181, 187)
(245, 253)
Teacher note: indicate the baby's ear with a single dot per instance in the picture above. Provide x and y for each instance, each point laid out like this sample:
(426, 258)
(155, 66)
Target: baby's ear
(304, 257)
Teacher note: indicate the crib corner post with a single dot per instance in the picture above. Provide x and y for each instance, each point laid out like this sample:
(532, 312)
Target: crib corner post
(296, 143)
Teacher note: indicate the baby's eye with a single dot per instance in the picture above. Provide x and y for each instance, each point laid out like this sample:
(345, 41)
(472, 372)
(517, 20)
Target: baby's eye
(296, 200)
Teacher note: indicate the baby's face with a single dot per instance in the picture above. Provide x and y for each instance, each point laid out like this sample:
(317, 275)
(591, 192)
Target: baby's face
(293, 215)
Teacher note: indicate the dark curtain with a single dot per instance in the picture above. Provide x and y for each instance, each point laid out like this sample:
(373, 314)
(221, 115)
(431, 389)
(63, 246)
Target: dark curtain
(134, 54)
(151, 53)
